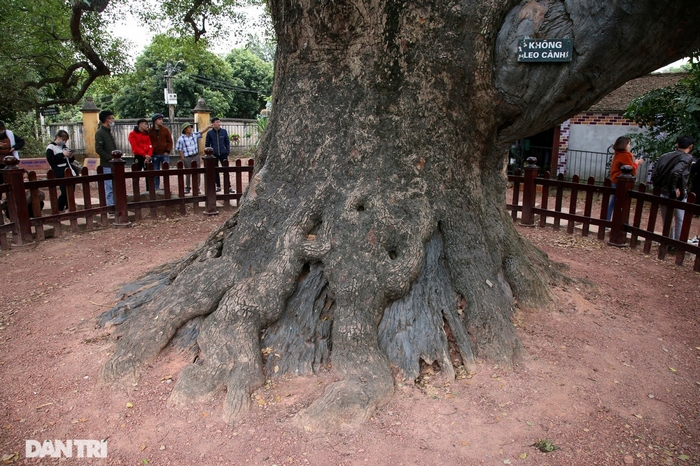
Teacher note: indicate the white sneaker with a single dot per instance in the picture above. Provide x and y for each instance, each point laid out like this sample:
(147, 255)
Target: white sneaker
(694, 241)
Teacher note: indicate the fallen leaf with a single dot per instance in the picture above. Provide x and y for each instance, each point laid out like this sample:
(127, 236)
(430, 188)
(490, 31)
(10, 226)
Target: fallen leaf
(130, 404)
(684, 457)
(672, 369)
(638, 416)
(11, 458)
(143, 447)
(523, 456)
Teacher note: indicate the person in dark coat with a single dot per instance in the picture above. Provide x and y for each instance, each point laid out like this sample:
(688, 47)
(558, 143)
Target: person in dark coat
(60, 158)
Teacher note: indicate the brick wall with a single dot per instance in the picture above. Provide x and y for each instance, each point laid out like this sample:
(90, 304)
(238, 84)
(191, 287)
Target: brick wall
(564, 131)
(605, 118)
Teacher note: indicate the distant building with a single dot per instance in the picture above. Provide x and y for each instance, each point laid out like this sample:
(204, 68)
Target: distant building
(579, 143)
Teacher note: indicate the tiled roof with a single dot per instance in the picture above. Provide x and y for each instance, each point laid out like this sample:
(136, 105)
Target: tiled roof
(618, 99)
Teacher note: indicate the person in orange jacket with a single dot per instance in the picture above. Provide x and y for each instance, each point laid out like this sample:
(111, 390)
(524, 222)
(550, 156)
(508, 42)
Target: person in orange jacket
(622, 157)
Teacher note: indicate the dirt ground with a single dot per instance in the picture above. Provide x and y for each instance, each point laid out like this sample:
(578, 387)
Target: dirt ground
(611, 374)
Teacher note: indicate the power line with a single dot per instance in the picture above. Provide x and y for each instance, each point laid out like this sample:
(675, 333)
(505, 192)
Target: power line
(221, 84)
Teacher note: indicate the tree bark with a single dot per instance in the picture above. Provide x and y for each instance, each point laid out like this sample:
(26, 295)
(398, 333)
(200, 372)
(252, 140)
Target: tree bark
(374, 234)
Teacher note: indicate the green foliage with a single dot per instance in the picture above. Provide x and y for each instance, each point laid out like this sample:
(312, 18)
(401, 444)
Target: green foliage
(141, 91)
(255, 75)
(26, 125)
(223, 83)
(545, 445)
(666, 114)
(39, 50)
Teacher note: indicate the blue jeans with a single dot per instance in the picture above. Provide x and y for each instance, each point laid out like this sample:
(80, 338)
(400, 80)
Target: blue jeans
(611, 205)
(678, 215)
(108, 187)
(220, 162)
(158, 161)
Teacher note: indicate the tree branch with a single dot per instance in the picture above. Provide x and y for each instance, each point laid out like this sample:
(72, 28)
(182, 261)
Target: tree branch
(189, 18)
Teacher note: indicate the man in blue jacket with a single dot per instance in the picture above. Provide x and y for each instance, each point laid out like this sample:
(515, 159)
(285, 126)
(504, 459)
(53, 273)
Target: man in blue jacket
(218, 140)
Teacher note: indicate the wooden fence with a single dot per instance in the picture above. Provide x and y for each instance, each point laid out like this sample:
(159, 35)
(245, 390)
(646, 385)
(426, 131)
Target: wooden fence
(647, 207)
(27, 222)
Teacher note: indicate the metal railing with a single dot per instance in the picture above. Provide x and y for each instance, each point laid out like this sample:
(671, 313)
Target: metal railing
(244, 134)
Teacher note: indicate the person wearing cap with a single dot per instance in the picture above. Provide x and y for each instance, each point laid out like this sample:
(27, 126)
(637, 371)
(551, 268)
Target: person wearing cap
(162, 144)
(189, 150)
(219, 141)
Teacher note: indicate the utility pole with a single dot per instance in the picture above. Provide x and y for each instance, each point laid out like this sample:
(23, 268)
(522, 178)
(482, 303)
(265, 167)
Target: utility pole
(170, 97)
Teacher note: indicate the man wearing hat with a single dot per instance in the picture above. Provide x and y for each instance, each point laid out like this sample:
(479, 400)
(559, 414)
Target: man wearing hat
(188, 149)
(162, 142)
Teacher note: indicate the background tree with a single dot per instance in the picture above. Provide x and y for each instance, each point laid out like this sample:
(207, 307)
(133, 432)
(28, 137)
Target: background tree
(256, 77)
(667, 113)
(375, 225)
(142, 93)
(229, 86)
(54, 51)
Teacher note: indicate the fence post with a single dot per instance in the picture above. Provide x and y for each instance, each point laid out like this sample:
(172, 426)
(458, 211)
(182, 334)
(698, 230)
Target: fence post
(210, 182)
(529, 192)
(119, 190)
(17, 203)
(621, 211)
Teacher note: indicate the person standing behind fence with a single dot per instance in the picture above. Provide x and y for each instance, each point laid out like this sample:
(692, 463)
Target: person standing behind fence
(60, 158)
(10, 143)
(671, 172)
(622, 157)
(188, 149)
(104, 145)
(162, 142)
(218, 140)
(141, 147)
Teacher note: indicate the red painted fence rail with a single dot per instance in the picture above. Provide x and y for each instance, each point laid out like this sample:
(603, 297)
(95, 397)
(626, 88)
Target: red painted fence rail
(24, 220)
(626, 226)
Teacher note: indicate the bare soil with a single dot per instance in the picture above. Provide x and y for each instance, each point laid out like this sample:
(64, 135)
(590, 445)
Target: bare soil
(611, 374)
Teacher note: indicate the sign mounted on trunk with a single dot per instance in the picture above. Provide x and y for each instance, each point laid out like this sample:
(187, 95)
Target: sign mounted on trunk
(545, 50)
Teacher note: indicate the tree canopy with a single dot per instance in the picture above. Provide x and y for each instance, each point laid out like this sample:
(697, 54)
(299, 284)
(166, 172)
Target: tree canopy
(232, 87)
(54, 50)
(667, 113)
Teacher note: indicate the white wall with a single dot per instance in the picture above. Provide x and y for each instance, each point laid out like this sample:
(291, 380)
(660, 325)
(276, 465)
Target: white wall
(597, 138)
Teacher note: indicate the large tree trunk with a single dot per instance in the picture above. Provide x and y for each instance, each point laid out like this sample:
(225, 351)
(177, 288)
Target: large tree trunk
(375, 232)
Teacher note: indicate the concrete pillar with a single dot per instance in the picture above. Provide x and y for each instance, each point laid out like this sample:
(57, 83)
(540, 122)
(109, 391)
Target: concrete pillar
(202, 119)
(90, 124)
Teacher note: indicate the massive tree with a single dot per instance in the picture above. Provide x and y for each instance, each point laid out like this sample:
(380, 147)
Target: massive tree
(374, 234)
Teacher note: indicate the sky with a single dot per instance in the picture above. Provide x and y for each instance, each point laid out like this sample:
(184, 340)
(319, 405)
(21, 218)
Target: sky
(140, 36)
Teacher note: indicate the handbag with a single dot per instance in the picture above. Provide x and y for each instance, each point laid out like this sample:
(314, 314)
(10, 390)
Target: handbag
(75, 166)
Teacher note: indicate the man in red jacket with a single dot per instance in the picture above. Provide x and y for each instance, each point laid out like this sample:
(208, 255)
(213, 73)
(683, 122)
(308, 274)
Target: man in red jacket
(141, 147)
